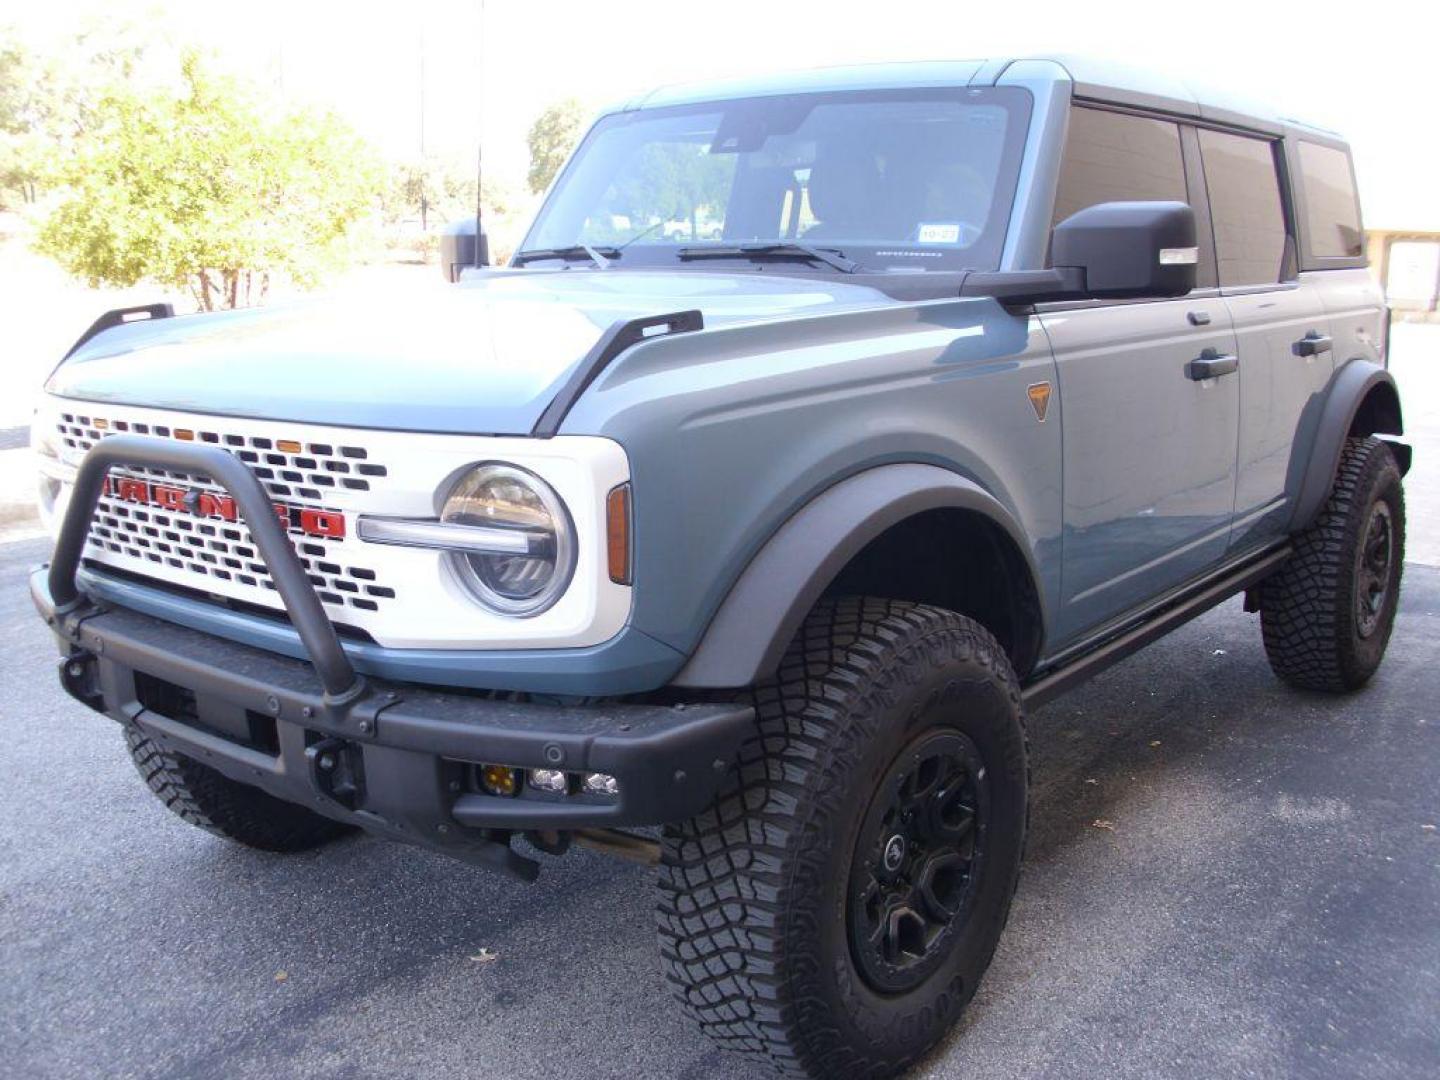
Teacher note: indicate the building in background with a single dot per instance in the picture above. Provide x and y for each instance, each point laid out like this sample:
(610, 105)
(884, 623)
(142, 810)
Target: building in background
(1407, 264)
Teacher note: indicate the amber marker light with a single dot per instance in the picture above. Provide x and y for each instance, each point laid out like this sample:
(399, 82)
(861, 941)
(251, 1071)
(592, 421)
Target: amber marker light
(617, 533)
(500, 780)
(287, 446)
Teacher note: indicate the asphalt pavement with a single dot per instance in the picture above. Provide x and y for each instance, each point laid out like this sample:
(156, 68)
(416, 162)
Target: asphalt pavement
(1226, 878)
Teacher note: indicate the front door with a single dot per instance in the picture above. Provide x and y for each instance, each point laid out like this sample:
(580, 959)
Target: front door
(1148, 436)
(1149, 451)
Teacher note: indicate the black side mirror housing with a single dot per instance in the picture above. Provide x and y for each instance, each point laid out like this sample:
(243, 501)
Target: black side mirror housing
(458, 242)
(1110, 251)
(1129, 249)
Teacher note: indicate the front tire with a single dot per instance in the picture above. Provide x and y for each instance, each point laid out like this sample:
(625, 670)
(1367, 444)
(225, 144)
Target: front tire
(211, 801)
(835, 909)
(1327, 614)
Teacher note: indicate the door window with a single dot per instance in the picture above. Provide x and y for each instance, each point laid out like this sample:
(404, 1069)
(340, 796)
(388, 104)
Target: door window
(1251, 239)
(1115, 157)
(1332, 216)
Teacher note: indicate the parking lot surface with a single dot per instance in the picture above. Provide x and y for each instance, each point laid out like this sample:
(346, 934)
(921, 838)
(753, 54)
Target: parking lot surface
(1225, 878)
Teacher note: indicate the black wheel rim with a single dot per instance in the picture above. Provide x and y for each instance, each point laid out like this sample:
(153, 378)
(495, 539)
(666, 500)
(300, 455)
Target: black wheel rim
(1372, 575)
(917, 862)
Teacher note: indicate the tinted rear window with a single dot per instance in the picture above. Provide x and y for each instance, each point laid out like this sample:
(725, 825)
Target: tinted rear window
(1245, 207)
(1112, 157)
(1332, 216)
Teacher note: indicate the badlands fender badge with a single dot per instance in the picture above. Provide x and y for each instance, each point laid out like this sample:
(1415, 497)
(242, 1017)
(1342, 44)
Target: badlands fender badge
(1039, 394)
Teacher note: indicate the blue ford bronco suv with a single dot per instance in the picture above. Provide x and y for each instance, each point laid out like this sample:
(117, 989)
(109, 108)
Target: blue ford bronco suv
(820, 428)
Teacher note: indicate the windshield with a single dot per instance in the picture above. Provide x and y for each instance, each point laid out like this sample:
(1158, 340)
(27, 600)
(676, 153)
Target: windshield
(896, 180)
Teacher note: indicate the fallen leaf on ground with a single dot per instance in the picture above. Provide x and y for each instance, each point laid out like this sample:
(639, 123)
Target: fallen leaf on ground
(485, 956)
(281, 976)
(1101, 823)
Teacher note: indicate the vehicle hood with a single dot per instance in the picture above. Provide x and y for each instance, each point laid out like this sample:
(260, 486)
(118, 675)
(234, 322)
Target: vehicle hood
(483, 357)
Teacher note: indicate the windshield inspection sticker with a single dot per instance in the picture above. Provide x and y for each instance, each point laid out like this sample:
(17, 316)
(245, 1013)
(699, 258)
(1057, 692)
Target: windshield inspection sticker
(939, 232)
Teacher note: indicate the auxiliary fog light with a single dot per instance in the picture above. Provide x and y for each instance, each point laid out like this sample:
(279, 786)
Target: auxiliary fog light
(552, 780)
(499, 779)
(599, 783)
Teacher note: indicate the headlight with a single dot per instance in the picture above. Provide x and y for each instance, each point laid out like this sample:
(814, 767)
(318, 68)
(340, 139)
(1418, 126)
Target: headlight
(509, 499)
(52, 486)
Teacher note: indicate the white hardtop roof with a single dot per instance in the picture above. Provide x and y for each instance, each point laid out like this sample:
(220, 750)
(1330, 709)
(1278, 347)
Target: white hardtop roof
(1093, 77)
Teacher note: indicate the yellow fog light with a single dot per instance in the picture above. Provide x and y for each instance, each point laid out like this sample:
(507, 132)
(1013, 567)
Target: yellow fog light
(499, 779)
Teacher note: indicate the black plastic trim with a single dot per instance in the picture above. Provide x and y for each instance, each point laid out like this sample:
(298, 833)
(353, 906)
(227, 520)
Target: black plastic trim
(1195, 601)
(1351, 385)
(119, 317)
(411, 743)
(620, 335)
(748, 635)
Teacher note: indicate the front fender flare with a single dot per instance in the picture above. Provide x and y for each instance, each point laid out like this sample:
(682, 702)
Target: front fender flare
(764, 609)
(1352, 384)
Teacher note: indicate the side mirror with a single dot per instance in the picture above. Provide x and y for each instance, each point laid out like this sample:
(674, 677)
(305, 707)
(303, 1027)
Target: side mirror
(1129, 249)
(1110, 251)
(457, 248)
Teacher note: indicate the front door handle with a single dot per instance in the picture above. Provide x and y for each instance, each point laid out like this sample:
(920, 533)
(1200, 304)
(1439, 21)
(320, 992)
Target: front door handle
(1312, 344)
(1211, 363)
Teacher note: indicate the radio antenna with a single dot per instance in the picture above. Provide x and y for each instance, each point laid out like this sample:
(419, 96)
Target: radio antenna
(482, 253)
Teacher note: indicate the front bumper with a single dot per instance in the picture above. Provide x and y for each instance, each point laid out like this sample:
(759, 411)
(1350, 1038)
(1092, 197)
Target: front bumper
(408, 753)
(397, 759)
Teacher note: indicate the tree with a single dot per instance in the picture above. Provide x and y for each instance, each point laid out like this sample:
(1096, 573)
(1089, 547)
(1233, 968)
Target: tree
(208, 189)
(446, 186)
(48, 101)
(551, 138)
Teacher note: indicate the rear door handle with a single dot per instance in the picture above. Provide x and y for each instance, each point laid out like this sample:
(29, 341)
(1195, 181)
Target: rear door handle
(1211, 363)
(1312, 344)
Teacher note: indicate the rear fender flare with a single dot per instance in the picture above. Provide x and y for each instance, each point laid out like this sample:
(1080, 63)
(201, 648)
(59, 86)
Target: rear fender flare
(763, 611)
(1351, 386)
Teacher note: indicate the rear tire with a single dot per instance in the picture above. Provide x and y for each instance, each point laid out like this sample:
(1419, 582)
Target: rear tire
(1328, 612)
(835, 909)
(205, 798)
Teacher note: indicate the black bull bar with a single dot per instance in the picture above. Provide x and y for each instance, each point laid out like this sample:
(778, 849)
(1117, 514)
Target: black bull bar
(415, 749)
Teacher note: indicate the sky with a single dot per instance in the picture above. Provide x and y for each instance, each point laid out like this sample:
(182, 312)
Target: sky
(403, 70)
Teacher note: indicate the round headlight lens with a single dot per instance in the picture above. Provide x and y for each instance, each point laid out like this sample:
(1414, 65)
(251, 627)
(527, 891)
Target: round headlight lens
(505, 497)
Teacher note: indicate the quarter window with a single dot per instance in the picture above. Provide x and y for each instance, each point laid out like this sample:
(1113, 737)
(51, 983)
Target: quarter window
(1245, 207)
(1332, 216)
(1115, 157)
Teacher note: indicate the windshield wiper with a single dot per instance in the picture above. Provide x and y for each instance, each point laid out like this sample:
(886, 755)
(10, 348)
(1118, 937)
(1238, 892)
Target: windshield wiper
(601, 257)
(787, 249)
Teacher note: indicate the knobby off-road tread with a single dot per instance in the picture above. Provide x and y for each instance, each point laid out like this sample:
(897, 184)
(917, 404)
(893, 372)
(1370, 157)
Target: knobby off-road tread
(204, 798)
(1307, 608)
(731, 878)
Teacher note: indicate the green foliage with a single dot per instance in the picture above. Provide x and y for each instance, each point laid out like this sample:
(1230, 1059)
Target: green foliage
(48, 102)
(551, 138)
(674, 182)
(208, 189)
(444, 187)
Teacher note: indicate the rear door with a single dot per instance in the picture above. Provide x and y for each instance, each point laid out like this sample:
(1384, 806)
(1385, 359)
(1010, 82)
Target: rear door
(1281, 327)
(1149, 451)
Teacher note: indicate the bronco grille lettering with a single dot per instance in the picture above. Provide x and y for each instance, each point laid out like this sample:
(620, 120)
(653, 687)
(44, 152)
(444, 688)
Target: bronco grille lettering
(327, 524)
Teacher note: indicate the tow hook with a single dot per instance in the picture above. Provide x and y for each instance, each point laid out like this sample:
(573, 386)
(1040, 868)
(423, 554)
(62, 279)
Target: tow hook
(80, 676)
(337, 771)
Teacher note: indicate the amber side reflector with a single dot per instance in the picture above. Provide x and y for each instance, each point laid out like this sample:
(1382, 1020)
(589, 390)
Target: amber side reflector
(287, 446)
(101, 424)
(617, 533)
(185, 434)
